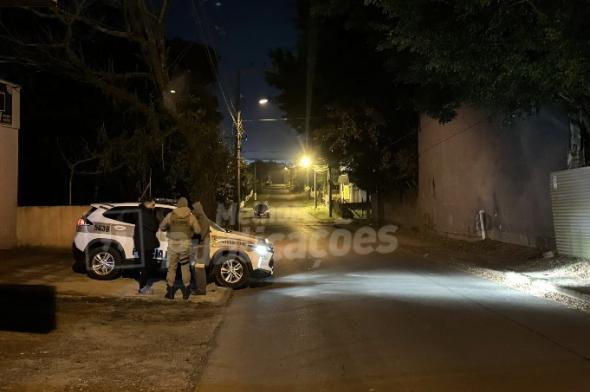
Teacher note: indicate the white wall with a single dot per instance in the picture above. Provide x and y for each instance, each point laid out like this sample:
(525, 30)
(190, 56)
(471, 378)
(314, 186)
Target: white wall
(9, 172)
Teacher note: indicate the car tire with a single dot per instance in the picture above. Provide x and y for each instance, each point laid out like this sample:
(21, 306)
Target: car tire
(103, 264)
(231, 271)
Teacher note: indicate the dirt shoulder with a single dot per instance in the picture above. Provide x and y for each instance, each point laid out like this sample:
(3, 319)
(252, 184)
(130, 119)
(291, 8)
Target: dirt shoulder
(559, 278)
(53, 268)
(110, 345)
(488, 253)
(61, 330)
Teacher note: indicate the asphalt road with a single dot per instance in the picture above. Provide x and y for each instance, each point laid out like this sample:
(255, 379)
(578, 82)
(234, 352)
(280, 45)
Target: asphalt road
(396, 322)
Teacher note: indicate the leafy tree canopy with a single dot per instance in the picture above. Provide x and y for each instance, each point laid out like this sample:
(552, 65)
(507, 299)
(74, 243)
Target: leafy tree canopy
(512, 56)
(362, 115)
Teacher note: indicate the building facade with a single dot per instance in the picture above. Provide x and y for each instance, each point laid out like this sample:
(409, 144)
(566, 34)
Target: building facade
(9, 126)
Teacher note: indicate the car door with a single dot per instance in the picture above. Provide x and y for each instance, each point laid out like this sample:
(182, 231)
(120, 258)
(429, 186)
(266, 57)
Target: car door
(120, 227)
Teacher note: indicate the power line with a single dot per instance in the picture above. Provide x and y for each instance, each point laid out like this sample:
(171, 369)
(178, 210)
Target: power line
(281, 119)
(468, 128)
(209, 48)
(266, 151)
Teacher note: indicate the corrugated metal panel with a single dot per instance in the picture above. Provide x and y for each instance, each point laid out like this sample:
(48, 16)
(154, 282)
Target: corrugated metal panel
(570, 199)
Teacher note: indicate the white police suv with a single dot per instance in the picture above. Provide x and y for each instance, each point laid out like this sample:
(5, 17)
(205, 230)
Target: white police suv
(103, 246)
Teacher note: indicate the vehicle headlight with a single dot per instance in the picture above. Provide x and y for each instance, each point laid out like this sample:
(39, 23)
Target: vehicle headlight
(262, 250)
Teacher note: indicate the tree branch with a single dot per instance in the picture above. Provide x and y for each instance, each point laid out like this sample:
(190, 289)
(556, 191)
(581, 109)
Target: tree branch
(533, 6)
(164, 11)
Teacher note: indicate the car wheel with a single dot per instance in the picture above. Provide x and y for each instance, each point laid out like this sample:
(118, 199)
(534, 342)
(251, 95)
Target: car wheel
(232, 272)
(103, 264)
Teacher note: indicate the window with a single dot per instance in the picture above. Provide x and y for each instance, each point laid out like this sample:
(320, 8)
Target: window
(123, 214)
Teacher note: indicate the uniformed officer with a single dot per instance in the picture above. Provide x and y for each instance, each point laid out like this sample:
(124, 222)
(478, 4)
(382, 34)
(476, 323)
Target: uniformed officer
(180, 226)
(203, 260)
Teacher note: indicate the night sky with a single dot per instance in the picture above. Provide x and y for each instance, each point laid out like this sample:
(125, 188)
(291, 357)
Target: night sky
(243, 32)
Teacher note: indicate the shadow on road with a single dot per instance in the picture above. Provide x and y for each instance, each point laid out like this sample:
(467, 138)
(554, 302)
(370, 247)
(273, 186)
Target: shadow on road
(27, 308)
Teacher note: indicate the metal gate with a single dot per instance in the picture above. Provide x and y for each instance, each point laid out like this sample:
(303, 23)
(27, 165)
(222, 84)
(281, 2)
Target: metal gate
(570, 199)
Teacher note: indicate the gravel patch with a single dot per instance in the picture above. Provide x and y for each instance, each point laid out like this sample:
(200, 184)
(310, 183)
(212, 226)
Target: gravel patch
(111, 345)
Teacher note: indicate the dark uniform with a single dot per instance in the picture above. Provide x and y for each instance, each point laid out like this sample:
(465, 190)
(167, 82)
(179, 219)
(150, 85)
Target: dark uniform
(145, 241)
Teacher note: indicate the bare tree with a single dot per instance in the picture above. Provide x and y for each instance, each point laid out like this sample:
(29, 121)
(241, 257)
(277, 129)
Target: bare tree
(61, 44)
(120, 48)
(73, 165)
(82, 160)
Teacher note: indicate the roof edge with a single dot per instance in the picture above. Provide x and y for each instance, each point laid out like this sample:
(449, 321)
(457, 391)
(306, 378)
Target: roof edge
(10, 83)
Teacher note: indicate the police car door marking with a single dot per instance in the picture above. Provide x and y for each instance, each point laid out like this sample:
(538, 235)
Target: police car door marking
(158, 254)
(102, 228)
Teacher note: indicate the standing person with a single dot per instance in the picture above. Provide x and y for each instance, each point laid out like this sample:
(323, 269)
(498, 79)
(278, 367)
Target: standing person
(180, 226)
(202, 219)
(146, 241)
(221, 213)
(199, 213)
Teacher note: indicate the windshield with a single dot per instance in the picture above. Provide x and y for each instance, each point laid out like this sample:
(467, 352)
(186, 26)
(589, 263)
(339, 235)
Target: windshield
(217, 227)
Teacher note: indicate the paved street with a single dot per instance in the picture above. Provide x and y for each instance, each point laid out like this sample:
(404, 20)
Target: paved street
(396, 322)
(381, 322)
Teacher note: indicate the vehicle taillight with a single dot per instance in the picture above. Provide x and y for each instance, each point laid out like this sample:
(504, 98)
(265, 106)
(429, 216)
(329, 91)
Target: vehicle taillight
(82, 222)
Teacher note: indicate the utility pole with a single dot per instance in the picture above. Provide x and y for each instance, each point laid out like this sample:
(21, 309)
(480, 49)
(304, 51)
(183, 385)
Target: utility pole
(255, 180)
(312, 41)
(239, 128)
(315, 189)
(329, 176)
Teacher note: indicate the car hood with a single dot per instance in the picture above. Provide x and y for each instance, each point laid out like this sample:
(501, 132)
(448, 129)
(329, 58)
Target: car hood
(236, 235)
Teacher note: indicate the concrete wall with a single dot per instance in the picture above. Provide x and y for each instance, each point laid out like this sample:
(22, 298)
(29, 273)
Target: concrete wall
(402, 209)
(52, 227)
(473, 163)
(9, 166)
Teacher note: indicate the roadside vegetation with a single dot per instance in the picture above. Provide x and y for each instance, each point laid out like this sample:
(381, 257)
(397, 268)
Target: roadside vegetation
(136, 111)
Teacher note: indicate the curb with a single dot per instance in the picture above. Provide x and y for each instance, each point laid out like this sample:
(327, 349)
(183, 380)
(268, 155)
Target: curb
(536, 287)
(518, 281)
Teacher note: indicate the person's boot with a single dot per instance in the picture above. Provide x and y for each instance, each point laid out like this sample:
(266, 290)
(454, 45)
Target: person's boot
(186, 292)
(169, 292)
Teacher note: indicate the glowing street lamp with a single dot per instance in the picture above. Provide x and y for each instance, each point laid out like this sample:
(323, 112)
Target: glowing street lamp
(305, 161)
(263, 101)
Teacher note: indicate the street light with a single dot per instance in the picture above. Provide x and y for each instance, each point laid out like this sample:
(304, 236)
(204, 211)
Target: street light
(239, 127)
(317, 165)
(305, 161)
